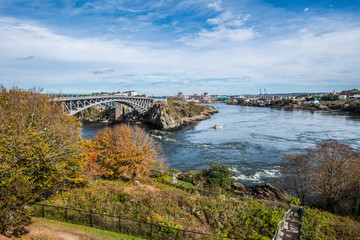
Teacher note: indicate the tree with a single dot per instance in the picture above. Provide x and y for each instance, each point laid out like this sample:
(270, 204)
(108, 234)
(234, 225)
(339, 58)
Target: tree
(16, 193)
(296, 170)
(328, 172)
(332, 171)
(39, 141)
(125, 152)
(330, 97)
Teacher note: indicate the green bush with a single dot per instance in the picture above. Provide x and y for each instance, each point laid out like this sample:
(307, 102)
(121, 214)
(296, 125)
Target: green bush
(217, 178)
(321, 225)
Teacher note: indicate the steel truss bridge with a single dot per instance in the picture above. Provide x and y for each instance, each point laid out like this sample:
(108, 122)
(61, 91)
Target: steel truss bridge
(72, 105)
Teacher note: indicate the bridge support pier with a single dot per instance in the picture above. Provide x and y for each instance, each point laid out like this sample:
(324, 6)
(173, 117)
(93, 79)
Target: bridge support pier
(119, 112)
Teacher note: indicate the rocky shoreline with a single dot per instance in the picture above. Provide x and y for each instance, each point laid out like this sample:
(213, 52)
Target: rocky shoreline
(299, 107)
(169, 117)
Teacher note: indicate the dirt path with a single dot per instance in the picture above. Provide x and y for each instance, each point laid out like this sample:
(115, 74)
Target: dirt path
(291, 228)
(42, 228)
(48, 232)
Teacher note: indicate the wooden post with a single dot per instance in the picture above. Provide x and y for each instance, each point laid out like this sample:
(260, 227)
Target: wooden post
(43, 211)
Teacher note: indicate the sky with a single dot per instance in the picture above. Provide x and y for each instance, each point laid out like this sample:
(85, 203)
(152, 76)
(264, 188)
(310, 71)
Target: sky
(162, 47)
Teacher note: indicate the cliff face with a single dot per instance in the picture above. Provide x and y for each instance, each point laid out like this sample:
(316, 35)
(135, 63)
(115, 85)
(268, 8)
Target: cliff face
(171, 115)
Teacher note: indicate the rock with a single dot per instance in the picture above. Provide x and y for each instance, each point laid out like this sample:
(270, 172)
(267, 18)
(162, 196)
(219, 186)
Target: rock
(158, 132)
(174, 180)
(267, 192)
(238, 186)
(240, 193)
(176, 115)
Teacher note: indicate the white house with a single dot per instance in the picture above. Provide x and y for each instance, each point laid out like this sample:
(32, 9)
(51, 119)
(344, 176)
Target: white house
(131, 93)
(342, 97)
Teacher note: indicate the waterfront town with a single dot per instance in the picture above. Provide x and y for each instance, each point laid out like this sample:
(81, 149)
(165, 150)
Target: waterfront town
(261, 99)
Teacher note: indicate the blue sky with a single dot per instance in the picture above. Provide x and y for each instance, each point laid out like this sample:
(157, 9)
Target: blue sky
(193, 46)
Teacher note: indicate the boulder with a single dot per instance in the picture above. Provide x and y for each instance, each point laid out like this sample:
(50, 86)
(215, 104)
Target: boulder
(240, 193)
(238, 186)
(267, 192)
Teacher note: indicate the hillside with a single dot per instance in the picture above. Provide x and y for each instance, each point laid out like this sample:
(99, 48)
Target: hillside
(155, 202)
(319, 225)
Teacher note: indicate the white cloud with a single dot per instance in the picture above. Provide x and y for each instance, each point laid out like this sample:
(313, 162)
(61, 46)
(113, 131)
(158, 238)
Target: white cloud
(237, 55)
(227, 19)
(220, 36)
(306, 9)
(103, 70)
(216, 5)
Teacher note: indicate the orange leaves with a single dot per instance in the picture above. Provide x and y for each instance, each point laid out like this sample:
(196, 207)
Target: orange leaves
(122, 152)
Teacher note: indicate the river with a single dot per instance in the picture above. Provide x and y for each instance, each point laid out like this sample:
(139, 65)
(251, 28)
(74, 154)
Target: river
(253, 139)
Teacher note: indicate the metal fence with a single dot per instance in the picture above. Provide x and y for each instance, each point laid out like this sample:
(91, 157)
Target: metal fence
(117, 224)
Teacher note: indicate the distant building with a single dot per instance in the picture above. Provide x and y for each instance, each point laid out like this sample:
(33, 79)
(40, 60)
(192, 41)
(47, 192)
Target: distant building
(342, 97)
(355, 96)
(120, 94)
(205, 97)
(312, 102)
(180, 95)
(131, 93)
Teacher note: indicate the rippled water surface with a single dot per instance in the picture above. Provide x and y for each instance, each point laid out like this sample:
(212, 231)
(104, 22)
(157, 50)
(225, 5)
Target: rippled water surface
(252, 140)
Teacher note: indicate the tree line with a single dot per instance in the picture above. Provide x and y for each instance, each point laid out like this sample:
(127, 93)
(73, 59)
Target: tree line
(42, 153)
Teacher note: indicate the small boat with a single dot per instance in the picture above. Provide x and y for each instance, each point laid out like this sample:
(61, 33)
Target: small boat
(217, 126)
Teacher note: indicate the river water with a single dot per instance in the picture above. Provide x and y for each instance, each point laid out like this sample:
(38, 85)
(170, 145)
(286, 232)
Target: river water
(252, 140)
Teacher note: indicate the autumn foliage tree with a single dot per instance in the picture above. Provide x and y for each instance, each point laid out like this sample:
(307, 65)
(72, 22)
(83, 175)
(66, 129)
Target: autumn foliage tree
(124, 152)
(296, 171)
(40, 151)
(327, 175)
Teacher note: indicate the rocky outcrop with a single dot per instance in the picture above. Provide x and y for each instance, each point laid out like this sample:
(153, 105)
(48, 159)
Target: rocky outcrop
(173, 116)
(266, 192)
(158, 132)
(98, 113)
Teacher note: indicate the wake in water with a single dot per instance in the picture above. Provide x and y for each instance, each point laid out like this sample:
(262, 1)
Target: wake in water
(258, 177)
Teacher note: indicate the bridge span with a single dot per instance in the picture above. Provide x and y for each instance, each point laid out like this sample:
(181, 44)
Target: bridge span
(73, 105)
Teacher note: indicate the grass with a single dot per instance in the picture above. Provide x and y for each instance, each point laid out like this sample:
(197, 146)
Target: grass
(45, 229)
(155, 202)
(179, 184)
(324, 225)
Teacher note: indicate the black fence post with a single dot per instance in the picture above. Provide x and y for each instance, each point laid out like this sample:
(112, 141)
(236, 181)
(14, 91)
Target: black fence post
(119, 224)
(150, 234)
(43, 211)
(66, 215)
(90, 216)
